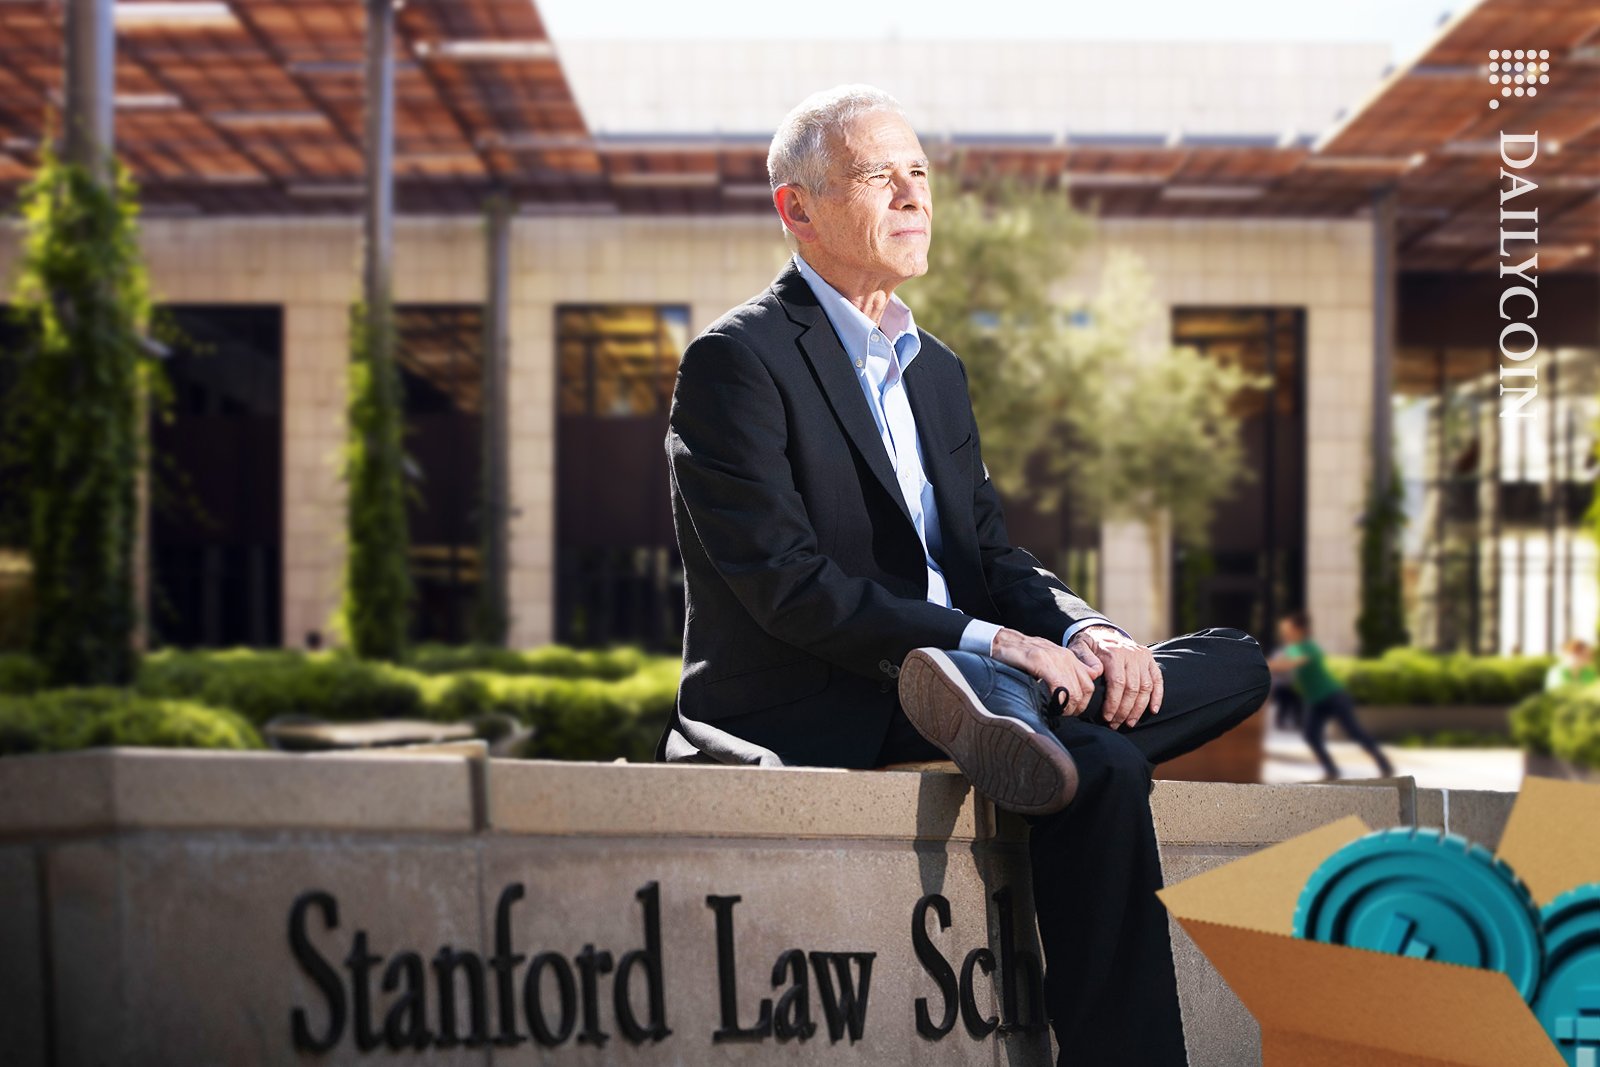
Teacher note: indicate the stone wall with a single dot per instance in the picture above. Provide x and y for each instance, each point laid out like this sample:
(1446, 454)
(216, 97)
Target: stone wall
(167, 907)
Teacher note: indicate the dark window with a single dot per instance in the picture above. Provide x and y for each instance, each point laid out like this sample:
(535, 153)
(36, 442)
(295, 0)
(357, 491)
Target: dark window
(440, 359)
(15, 597)
(216, 485)
(1253, 569)
(619, 576)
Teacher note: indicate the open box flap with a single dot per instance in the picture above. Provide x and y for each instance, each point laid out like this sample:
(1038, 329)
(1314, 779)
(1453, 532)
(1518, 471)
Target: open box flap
(1423, 1009)
(1259, 891)
(1281, 1048)
(1552, 839)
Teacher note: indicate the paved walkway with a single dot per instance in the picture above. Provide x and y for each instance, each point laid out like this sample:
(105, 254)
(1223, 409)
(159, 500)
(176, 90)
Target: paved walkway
(1289, 760)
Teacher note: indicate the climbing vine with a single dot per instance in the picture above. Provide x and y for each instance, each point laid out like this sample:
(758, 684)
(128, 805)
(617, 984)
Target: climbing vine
(1381, 622)
(82, 378)
(377, 582)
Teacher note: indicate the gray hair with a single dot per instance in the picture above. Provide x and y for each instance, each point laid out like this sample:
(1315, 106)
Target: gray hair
(800, 153)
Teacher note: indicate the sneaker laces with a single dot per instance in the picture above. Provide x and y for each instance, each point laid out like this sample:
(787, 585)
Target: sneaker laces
(1055, 704)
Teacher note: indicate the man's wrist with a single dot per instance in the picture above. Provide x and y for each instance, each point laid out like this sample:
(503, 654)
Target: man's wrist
(1089, 623)
(979, 637)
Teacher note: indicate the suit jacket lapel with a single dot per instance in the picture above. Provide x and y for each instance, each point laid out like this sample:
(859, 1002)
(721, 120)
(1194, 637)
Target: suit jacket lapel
(831, 365)
(937, 422)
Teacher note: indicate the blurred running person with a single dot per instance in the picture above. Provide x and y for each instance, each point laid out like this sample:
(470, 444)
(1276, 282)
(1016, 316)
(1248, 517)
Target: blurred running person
(1324, 698)
(1575, 667)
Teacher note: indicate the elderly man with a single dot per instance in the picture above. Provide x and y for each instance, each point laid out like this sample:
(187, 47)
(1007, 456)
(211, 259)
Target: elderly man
(854, 599)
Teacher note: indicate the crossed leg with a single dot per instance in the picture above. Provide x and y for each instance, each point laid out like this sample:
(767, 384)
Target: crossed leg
(1110, 989)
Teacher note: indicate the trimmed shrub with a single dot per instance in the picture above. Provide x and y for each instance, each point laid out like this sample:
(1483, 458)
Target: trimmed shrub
(1412, 676)
(1530, 721)
(581, 704)
(263, 685)
(65, 719)
(1575, 725)
(556, 661)
(20, 674)
(1453, 739)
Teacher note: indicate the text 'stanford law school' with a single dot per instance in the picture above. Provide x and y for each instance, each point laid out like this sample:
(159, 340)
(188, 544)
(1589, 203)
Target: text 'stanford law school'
(1352, 227)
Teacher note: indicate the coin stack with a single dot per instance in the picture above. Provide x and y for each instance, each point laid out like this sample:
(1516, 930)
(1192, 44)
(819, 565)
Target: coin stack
(1431, 895)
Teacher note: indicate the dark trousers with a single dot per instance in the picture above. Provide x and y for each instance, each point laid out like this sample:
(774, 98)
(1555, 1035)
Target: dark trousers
(1340, 706)
(1289, 711)
(1109, 988)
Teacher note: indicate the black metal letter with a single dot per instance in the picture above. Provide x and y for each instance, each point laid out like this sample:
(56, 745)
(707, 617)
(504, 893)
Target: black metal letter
(649, 958)
(360, 962)
(792, 1016)
(971, 1014)
(591, 965)
(445, 965)
(533, 1004)
(728, 980)
(1013, 959)
(845, 1009)
(319, 970)
(504, 963)
(938, 968)
(406, 1025)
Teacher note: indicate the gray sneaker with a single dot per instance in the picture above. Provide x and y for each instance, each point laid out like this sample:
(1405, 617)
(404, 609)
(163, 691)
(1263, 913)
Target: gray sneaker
(994, 721)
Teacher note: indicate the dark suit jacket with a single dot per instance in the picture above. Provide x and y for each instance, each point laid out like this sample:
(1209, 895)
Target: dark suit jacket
(804, 578)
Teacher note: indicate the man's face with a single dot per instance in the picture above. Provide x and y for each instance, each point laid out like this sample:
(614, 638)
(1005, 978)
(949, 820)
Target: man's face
(875, 217)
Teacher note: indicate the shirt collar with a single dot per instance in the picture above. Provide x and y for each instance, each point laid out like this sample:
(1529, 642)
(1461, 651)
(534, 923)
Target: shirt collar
(854, 327)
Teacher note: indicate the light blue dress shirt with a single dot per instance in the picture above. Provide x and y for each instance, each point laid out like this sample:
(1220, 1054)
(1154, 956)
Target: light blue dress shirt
(880, 354)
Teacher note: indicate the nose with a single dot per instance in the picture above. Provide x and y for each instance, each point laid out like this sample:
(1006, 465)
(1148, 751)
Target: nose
(910, 192)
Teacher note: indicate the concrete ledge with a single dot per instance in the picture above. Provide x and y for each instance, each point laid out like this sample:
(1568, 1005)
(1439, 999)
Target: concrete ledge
(378, 790)
(104, 789)
(1253, 815)
(666, 800)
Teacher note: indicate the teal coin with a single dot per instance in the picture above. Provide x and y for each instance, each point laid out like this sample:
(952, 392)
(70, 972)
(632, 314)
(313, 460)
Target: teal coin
(1429, 895)
(1568, 1004)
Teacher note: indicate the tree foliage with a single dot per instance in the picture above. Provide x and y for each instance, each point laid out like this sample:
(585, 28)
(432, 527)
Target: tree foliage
(1078, 398)
(74, 422)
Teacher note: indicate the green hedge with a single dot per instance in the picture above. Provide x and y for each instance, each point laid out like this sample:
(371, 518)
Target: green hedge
(1411, 676)
(1575, 726)
(610, 703)
(1530, 721)
(556, 661)
(64, 719)
(1564, 723)
(261, 685)
(582, 704)
(20, 674)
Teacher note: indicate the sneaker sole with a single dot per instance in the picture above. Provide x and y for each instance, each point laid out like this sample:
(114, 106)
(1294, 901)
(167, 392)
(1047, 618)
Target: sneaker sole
(1004, 758)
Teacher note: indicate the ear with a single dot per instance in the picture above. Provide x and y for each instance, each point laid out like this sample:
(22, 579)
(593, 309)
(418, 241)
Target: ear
(792, 209)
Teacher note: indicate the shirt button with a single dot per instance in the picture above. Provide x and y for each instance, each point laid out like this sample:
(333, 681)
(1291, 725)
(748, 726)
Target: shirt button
(861, 363)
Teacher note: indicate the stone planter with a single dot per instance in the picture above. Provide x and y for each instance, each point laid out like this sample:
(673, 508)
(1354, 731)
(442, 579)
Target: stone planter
(251, 908)
(1236, 756)
(1544, 765)
(1391, 722)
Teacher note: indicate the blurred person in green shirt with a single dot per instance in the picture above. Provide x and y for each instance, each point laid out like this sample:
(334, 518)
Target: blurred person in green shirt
(1324, 697)
(1575, 667)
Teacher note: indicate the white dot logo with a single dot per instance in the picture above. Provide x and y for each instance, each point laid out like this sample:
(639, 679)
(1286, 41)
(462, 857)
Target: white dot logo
(1518, 72)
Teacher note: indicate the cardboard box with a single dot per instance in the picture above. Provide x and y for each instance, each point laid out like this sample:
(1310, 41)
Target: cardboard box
(1323, 1005)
